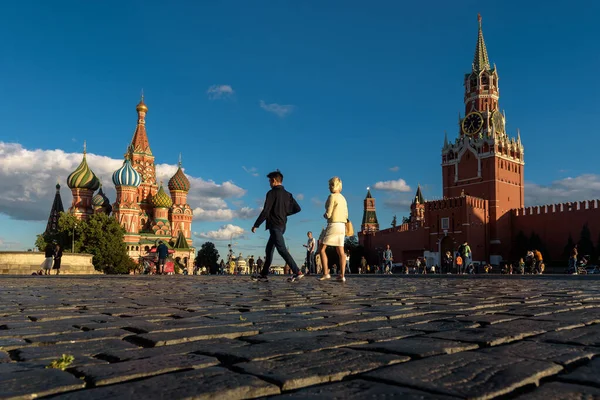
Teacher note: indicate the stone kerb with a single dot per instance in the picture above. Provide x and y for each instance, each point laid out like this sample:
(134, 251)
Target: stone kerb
(27, 262)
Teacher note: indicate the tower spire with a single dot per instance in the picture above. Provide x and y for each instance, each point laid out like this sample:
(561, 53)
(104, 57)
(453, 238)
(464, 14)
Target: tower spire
(481, 61)
(179, 160)
(445, 139)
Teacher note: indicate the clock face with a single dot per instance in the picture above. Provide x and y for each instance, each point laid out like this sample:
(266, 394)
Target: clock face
(498, 121)
(472, 123)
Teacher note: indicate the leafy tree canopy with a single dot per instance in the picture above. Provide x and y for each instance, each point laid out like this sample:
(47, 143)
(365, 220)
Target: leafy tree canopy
(208, 256)
(100, 235)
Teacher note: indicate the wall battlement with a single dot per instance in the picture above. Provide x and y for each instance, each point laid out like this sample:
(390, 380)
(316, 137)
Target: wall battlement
(455, 202)
(401, 228)
(557, 208)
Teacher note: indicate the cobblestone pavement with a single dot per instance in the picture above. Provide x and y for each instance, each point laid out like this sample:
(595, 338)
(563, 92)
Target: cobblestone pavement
(205, 337)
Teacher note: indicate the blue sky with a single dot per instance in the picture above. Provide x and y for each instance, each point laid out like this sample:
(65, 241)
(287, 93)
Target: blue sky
(313, 88)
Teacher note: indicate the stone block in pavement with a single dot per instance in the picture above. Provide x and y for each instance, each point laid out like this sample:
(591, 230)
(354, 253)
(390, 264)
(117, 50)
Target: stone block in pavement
(467, 374)
(36, 383)
(584, 317)
(265, 351)
(190, 335)
(489, 319)
(277, 336)
(206, 347)
(379, 335)
(12, 343)
(444, 325)
(98, 375)
(587, 336)
(81, 336)
(558, 353)
(588, 374)
(79, 348)
(357, 390)
(418, 347)
(206, 383)
(562, 391)
(296, 371)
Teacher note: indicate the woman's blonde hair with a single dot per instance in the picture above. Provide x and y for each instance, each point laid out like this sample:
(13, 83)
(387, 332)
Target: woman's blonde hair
(335, 185)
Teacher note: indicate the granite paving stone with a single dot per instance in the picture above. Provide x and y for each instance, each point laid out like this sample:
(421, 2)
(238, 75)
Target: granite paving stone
(586, 374)
(359, 389)
(206, 383)
(292, 372)
(467, 374)
(36, 383)
(107, 374)
(562, 391)
(418, 347)
(558, 353)
(227, 337)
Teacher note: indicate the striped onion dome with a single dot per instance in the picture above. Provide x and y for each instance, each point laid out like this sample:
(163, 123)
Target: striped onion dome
(83, 177)
(179, 181)
(100, 199)
(161, 199)
(126, 175)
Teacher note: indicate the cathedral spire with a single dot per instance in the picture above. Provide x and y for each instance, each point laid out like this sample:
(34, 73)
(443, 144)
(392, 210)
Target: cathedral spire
(57, 208)
(139, 142)
(481, 61)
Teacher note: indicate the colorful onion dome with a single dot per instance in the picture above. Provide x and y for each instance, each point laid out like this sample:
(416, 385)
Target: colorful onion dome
(179, 181)
(126, 175)
(161, 199)
(100, 199)
(142, 106)
(83, 177)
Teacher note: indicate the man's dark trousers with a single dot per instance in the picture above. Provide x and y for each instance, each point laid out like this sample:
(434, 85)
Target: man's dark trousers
(276, 241)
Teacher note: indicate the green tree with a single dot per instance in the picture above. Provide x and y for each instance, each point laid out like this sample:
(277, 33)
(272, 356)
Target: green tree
(100, 236)
(585, 246)
(568, 248)
(520, 246)
(394, 222)
(208, 256)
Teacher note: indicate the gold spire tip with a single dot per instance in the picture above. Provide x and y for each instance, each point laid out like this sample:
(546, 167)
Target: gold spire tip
(179, 159)
(479, 18)
(84, 147)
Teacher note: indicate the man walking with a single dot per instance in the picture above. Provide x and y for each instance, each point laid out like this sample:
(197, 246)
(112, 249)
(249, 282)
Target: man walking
(163, 251)
(387, 258)
(279, 204)
(310, 253)
(465, 253)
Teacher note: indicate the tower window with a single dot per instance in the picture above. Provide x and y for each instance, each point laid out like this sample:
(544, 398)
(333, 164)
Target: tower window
(445, 223)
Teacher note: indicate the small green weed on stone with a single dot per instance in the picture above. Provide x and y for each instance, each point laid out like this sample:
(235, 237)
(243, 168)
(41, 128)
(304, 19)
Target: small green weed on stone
(62, 363)
(242, 318)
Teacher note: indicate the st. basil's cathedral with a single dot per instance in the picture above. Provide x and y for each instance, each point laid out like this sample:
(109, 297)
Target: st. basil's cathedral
(144, 209)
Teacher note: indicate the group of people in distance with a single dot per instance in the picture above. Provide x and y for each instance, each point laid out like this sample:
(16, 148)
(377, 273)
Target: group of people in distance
(52, 258)
(279, 204)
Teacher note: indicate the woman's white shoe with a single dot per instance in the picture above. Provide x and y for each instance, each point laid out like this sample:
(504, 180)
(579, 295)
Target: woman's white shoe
(325, 277)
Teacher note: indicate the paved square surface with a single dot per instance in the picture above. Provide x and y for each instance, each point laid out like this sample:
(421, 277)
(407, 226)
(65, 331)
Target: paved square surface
(418, 337)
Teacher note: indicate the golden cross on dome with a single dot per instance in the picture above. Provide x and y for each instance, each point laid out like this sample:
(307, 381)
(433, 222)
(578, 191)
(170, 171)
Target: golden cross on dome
(180, 159)
(84, 147)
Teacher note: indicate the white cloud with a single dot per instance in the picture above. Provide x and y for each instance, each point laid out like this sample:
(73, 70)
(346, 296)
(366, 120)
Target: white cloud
(317, 202)
(399, 185)
(220, 92)
(583, 187)
(300, 196)
(226, 232)
(395, 169)
(224, 214)
(400, 203)
(252, 171)
(280, 110)
(27, 179)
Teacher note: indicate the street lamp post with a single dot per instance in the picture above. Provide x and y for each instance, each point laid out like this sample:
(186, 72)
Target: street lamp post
(73, 239)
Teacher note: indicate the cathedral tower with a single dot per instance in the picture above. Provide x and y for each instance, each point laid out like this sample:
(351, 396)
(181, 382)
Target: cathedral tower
(180, 213)
(126, 208)
(142, 160)
(57, 208)
(417, 210)
(483, 161)
(369, 221)
(83, 183)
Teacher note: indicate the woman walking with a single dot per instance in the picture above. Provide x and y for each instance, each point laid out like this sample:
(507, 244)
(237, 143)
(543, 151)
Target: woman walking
(57, 257)
(48, 256)
(336, 214)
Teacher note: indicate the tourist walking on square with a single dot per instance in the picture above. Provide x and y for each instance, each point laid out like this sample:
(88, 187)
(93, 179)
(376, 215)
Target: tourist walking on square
(163, 252)
(57, 258)
(251, 265)
(539, 261)
(348, 262)
(388, 258)
(465, 253)
(363, 265)
(459, 263)
(336, 213)
(279, 204)
(311, 246)
(49, 257)
(447, 263)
